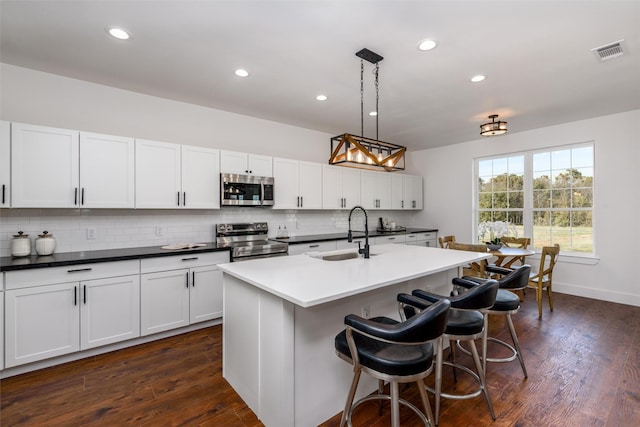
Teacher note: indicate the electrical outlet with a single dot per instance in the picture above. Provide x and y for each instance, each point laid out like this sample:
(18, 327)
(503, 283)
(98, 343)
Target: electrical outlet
(366, 311)
(92, 233)
(159, 230)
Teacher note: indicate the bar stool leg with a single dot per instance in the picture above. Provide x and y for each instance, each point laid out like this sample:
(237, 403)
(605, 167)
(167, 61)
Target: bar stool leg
(516, 344)
(483, 384)
(395, 404)
(425, 401)
(352, 393)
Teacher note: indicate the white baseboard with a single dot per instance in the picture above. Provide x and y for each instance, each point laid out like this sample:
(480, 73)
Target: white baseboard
(599, 294)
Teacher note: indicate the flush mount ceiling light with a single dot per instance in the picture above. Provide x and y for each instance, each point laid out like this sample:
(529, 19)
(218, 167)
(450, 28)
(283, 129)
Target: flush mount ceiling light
(241, 73)
(427, 45)
(366, 153)
(119, 33)
(477, 78)
(321, 97)
(493, 128)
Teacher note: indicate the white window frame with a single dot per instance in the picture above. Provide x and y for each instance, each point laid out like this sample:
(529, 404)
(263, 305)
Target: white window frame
(527, 215)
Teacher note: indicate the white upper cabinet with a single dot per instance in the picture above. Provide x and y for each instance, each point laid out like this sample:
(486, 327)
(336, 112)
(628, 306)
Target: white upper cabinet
(107, 165)
(62, 168)
(245, 163)
(157, 175)
(375, 190)
(340, 187)
(176, 176)
(200, 177)
(5, 164)
(44, 167)
(298, 184)
(406, 192)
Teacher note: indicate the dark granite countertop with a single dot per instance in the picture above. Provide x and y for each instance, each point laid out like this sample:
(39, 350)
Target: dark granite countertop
(313, 238)
(107, 255)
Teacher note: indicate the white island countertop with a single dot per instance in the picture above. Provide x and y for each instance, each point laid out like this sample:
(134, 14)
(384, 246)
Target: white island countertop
(306, 280)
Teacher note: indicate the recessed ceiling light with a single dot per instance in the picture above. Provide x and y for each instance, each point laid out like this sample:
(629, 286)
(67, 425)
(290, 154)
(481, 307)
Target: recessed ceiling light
(478, 78)
(373, 113)
(427, 45)
(119, 33)
(321, 97)
(242, 73)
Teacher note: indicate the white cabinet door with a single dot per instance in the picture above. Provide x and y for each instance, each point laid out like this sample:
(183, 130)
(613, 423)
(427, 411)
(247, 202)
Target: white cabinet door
(418, 197)
(200, 178)
(340, 187)
(375, 190)
(244, 163)
(260, 165)
(351, 187)
(310, 179)
(41, 322)
(286, 183)
(312, 247)
(205, 294)
(407, 192)
(5, 164)
(110, 310)
(164, 301)
(158, 175)
(396, 191)
(332, 187)
(233, 162)
(1, 330)
(107, 165)
(44, 167)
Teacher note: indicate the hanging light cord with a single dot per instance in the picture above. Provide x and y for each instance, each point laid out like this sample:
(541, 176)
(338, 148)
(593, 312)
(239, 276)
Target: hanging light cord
(377, 99)
(361, 97)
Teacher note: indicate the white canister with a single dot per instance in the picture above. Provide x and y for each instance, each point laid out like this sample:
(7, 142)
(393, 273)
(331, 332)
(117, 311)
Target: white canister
(45, 243)
(20, 244)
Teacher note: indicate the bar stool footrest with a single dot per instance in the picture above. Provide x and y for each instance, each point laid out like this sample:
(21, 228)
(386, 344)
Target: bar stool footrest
(401, 401)
(471, 395)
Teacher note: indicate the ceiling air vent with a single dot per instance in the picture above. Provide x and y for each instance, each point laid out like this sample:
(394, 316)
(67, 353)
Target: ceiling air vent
(609, 51)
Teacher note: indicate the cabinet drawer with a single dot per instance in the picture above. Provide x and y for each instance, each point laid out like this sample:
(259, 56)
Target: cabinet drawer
(70, 273)
(396, 238)
(423, 236)
(165, 263)
(312, 247)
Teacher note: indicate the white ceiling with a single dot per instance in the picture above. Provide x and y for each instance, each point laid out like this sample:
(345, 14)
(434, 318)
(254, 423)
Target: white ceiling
(536, 55)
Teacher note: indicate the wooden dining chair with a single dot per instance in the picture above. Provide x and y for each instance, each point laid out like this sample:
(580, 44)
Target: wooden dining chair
(476, 269)
(445, 240)
(516, 242)
(544, 277)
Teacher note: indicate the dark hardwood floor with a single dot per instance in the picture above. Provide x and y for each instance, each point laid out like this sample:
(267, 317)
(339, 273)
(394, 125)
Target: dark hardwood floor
(583, 362)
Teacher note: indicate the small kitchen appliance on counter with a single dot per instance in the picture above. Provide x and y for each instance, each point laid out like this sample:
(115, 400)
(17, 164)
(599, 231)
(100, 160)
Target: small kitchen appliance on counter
(249, 241)
(386, 226)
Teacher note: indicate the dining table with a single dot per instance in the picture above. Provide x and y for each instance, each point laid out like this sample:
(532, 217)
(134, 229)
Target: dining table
(507, 255)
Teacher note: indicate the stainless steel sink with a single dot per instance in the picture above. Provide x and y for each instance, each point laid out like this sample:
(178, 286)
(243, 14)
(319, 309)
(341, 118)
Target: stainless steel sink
(340, 257)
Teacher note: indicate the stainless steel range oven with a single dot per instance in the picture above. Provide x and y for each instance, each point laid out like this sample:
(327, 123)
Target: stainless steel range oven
(249, 241)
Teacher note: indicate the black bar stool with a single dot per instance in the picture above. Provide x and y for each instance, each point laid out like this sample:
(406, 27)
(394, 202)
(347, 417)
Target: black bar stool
(392, 351)
(507, 303)
(466, 323)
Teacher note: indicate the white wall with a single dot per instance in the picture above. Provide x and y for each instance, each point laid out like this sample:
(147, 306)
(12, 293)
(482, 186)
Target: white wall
(612, 275)
(30, 96)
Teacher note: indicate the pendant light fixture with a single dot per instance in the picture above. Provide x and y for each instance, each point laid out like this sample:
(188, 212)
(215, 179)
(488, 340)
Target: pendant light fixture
(366, 153)
(493, 128)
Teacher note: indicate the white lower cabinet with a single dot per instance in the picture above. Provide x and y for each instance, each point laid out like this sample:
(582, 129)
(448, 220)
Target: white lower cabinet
(180, 290)
(1, 330)
(48, 314)
(428, 239)
(396, 238)
(312, 247)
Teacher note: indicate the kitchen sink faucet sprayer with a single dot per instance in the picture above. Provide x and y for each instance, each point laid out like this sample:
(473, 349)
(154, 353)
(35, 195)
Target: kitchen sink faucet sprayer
(365, 250)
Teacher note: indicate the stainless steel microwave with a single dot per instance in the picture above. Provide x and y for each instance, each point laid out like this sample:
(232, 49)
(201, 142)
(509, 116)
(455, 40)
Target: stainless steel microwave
(245, 190)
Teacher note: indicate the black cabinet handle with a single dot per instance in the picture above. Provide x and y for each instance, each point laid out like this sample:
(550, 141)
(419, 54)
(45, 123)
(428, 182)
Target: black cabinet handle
(78, 269)
(84, 291)
(314, 246)
(193, 278)
(75, 295)
(190, 259)
(82, 196)
(178, 198)
(75, 196)
(3, 192)
(301, 201)
(184, 198)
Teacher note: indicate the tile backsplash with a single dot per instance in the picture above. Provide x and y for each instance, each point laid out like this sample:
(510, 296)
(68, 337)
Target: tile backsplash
(132, 228)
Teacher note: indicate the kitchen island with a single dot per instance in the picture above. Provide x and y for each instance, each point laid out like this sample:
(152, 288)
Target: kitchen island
(282, 314)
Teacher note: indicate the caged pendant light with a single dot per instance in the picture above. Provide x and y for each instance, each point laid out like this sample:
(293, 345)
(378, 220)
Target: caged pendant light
(366, 153)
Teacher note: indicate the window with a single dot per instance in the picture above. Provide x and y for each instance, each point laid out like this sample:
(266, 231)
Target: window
(546, 194)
